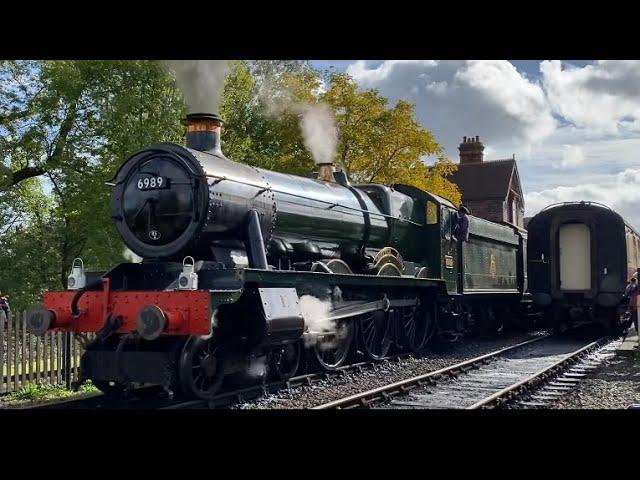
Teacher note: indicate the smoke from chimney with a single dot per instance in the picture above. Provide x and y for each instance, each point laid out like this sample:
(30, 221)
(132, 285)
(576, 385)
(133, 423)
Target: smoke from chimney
(200, 81)
(319, 132)
(318, 127)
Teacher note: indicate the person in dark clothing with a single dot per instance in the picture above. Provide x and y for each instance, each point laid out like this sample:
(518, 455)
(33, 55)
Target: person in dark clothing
(4, 305)
(461, 230)
(631, 292)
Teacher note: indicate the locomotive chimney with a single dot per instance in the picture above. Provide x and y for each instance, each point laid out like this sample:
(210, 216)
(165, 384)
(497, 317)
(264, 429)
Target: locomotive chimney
(203, 132)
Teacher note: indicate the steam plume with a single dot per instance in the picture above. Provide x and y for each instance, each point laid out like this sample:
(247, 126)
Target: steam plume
(201, 82)
(319, 131)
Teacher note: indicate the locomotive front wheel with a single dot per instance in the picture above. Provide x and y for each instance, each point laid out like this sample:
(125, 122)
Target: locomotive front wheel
(330, 352)
(374, 335)
(285, 360)
(201, 367)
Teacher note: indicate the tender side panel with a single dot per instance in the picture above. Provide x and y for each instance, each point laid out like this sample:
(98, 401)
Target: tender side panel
(490, 258)
(489, 266)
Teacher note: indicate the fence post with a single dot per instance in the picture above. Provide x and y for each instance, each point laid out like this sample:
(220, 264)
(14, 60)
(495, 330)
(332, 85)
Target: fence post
(67, 359)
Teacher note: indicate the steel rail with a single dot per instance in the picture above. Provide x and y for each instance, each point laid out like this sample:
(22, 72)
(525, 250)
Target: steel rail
(384, 392)
(517, 388)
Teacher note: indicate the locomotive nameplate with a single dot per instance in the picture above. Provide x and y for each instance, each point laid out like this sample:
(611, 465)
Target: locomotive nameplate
(448, 261)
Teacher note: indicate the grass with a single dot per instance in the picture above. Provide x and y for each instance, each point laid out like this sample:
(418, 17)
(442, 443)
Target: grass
(41, 392)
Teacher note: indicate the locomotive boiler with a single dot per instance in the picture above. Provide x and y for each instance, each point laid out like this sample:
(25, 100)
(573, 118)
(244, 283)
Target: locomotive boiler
(245, 267)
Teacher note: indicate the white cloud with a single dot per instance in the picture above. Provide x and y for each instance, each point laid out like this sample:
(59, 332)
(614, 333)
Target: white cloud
(456, 98)
(604, 96)
(620, 192)
(575, 131)
(572, 156)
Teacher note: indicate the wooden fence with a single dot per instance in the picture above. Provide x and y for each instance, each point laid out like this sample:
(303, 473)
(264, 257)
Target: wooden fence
(53, 358)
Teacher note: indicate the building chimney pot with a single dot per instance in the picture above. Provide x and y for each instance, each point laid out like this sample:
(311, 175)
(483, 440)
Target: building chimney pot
(471, 150)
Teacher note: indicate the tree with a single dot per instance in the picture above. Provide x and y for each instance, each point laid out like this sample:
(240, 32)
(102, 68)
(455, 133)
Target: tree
(68, 126)
(379, 144)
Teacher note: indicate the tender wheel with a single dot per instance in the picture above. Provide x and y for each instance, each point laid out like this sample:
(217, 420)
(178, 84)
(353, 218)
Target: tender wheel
(416, 327)
(331, 351)
(374, 335)
(285, 360)
(201, 367)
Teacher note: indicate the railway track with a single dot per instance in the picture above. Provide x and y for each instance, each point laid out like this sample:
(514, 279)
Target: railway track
(490, 380)
(486, 381)
(153, 398)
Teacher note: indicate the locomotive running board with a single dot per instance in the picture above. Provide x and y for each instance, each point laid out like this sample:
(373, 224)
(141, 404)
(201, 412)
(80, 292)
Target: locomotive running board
(353, 310)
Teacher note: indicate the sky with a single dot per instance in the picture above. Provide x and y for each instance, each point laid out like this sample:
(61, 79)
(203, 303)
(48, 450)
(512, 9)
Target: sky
(573, 125)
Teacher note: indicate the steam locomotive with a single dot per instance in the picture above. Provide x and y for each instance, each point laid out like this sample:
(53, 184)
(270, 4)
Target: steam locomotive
(288, 270)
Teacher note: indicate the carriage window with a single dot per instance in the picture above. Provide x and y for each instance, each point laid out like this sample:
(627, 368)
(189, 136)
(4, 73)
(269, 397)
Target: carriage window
(432, 213)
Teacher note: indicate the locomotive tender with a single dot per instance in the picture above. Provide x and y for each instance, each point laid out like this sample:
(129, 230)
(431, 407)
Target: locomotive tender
(581, 256)
(287, 268)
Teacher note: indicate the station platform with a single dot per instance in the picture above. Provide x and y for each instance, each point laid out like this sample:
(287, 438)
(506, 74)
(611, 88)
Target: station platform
(630, 344)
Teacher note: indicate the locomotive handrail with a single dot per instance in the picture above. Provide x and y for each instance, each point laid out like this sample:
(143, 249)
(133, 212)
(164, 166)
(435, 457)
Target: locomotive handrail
(331, 204)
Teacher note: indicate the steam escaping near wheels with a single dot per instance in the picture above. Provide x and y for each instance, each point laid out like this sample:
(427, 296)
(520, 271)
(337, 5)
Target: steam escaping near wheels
(316, 315)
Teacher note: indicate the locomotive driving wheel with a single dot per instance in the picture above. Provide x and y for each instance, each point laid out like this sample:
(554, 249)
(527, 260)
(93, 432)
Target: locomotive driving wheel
(285, 360)
(416, 326)
(201, 367)
(374, 334)
(332, 350)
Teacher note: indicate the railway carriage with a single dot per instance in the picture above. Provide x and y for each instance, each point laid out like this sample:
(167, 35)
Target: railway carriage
(244, 266)
(581, 256)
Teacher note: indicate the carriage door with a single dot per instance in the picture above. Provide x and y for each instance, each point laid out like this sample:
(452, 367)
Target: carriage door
(575, 257)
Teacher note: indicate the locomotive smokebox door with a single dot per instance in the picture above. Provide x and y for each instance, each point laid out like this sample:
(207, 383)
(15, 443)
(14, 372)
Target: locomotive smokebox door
(282, 314)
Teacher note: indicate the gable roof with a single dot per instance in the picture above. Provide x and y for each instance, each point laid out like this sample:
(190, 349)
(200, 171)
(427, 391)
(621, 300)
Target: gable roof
(489, 179)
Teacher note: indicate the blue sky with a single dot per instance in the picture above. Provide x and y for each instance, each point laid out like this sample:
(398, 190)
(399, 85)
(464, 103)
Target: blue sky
(573, 125)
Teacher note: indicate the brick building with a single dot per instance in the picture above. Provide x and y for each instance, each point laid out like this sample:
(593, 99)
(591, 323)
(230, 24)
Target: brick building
(490, 188)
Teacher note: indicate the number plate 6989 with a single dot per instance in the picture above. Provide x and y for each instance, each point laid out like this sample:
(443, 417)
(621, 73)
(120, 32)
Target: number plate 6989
(151, 183)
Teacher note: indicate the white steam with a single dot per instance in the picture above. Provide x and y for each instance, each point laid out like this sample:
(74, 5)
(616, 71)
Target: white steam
(319, 327)
(130, 256)
(257, 367)
(201, 82)
(319, 132)
(317, 124)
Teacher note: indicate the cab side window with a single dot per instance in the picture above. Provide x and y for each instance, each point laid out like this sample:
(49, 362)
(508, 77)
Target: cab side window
(448, 223)
(431, 213)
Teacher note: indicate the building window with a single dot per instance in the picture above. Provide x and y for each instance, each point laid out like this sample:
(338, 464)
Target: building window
(514, 212)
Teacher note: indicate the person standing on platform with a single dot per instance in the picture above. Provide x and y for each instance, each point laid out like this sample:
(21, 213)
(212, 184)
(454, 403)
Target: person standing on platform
(631, 292)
